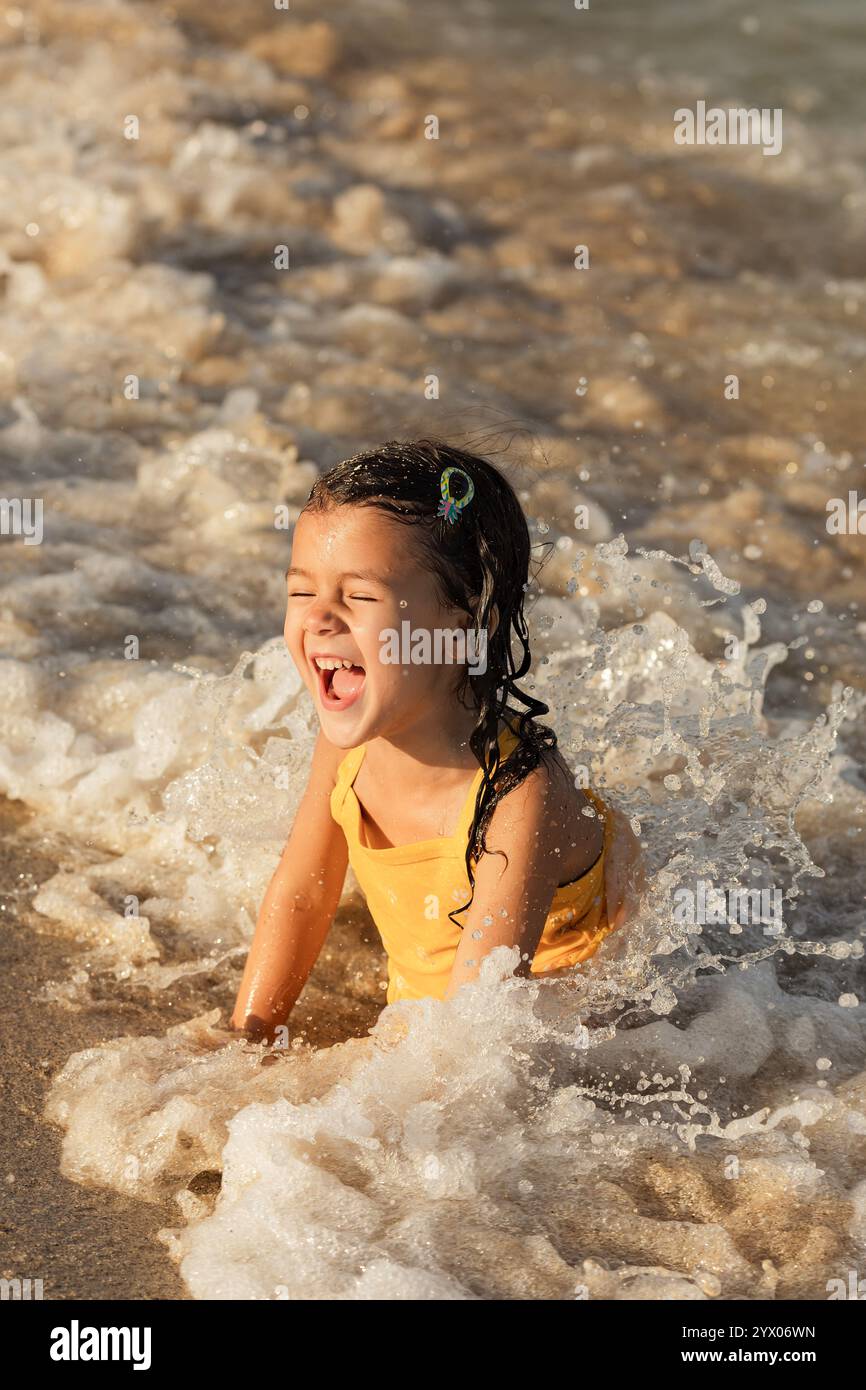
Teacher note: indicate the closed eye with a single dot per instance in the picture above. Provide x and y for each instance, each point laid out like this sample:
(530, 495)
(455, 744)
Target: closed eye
(360, 598)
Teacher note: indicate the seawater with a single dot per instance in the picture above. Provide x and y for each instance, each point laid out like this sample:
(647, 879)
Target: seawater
(686, 1118)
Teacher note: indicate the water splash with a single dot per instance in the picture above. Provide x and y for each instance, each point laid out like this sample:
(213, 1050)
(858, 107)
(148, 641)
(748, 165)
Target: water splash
(502, 1144)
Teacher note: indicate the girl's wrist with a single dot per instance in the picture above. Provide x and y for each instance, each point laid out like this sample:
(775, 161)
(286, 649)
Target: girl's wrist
(239, 1026)
(254, 1029)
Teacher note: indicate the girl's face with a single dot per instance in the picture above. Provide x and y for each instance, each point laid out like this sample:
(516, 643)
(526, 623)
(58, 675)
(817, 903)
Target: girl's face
(355, 576)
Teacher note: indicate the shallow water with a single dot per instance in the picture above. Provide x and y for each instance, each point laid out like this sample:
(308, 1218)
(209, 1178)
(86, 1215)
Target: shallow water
(688, 1118)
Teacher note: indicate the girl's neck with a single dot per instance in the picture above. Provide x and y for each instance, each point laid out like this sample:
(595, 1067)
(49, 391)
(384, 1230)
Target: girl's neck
(425, 748)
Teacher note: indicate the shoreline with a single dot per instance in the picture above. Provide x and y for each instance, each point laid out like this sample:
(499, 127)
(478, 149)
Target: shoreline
(89, 1242)
(82, 1242)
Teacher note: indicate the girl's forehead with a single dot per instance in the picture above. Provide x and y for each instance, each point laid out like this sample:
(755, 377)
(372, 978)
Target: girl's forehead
(355, 539)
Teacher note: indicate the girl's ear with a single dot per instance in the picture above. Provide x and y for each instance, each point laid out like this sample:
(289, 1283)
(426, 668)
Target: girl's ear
(493, 618)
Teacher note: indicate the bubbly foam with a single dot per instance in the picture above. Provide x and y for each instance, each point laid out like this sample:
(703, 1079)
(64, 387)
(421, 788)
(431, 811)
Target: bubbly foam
(450, 1155)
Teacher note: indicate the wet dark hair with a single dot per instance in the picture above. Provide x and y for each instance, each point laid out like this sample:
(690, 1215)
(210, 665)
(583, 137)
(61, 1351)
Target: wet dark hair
(481, 565)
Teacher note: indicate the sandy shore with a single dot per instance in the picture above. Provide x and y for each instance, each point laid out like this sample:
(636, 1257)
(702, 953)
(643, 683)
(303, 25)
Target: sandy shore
(81, 1242)
(88, 1242)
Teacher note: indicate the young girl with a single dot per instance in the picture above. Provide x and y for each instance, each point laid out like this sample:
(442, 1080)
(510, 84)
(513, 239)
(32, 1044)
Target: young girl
(459, 817)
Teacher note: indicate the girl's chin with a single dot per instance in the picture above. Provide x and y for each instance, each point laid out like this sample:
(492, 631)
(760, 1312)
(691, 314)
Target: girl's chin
(358, 724)
(339, 735)
(342, 726)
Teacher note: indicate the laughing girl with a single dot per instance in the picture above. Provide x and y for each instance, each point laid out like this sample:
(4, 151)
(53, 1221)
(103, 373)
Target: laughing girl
(431, 774)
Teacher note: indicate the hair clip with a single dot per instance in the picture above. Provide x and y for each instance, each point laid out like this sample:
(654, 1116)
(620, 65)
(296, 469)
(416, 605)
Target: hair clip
(451, 507)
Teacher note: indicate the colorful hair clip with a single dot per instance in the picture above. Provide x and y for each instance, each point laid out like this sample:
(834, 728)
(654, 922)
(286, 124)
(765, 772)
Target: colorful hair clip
(451, 507)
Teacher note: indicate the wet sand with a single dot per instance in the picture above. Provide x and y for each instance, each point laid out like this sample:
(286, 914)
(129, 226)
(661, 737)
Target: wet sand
(90, 1243)
(81, 1242)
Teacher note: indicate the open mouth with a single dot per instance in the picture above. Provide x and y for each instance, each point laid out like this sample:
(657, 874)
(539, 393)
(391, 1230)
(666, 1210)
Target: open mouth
(341, 682)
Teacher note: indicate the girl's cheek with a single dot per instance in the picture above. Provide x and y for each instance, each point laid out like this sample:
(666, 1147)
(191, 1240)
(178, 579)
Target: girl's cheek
(294, 639)
(371, 637)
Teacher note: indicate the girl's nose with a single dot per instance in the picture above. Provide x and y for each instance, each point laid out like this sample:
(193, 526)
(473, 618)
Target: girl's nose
(321, 618)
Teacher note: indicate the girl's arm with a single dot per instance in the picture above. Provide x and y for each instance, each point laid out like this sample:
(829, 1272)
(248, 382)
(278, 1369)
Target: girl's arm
(297, 908)
(515, 898)
(512, 900)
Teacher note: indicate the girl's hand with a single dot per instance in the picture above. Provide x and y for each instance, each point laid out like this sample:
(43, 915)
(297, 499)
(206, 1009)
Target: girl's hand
(209, 1031)
(254, 1030)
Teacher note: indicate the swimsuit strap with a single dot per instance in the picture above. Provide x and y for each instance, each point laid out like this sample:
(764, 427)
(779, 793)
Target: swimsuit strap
(347, 771)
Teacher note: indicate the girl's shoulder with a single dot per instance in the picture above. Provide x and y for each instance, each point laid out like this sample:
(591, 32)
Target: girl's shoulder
(551, 786)
(548, 818)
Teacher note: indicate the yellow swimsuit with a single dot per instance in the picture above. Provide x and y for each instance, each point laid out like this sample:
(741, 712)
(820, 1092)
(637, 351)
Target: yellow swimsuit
(410, 889)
